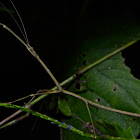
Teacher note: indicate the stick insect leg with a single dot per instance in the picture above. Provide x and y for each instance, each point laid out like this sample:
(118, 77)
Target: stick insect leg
(91, 120)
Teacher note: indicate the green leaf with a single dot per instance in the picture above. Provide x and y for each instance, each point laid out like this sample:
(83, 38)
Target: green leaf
(64, 107)
(69, 127)
(114, 129)
(127, 133)
(110, 82)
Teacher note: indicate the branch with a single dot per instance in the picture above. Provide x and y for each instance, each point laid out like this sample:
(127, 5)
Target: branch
(60, 124)
(43, 116)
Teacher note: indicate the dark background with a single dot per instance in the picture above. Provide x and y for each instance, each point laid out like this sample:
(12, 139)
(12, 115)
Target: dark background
(50, 26)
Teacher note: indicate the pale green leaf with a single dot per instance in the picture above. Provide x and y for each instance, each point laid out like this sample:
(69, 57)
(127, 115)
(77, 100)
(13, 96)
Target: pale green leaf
(64, 107)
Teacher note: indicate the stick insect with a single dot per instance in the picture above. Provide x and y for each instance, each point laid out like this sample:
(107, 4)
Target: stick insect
(33, 52)
(59, 85)
(88, 125)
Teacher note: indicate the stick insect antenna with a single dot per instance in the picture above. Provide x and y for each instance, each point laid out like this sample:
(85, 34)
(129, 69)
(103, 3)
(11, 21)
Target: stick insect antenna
(25, 33)
(22, 31)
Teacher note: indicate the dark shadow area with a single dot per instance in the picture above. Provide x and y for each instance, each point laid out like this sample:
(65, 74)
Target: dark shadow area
(132, 57)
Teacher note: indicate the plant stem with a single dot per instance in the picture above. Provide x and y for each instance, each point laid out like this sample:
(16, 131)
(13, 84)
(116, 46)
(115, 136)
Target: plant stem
(87, 68)
(59, 86)
(45, 117)
(106, 57)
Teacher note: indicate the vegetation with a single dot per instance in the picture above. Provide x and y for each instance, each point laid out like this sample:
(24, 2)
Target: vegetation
(100, 88)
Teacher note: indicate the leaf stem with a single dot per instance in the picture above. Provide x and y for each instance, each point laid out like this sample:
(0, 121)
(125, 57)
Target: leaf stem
(106, 57)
